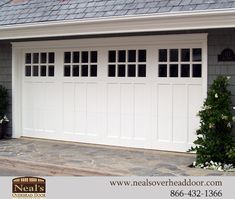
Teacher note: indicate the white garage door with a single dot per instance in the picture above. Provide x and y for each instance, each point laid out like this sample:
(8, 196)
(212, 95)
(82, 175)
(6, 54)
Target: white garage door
(144, 95)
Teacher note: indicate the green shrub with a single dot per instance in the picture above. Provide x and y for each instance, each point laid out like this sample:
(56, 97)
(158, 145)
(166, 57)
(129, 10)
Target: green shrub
(215, 141)
(3, 101)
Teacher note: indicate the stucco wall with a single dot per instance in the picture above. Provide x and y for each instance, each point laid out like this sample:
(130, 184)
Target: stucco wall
(5, 73)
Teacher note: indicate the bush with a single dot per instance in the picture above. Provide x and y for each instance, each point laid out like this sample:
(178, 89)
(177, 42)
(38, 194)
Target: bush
(3, 101)
(215, 141)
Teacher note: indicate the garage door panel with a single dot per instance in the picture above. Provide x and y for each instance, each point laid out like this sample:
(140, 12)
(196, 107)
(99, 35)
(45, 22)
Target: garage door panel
(195, 93)
(29, 122)
(68, 97)
(141, 127)
(28, 102)
(92, 124)
(39, 96)
(92, 113)
(28, 108)
(146, 96)
(180, 130)
(51, 121)
(154, 112)
(92, 89)
(114, 125)
(69, 121)
(127, 130)
(141, 111)
(80, 123)
(52, 108)
(127, 108)
(39, 107)
(38, 116)
(80, 109)
(68, 107)
(113, 110)
(80, 97)
(180, 113)
(52, 96)
(165, 112)
(193, 126)
(180, 100)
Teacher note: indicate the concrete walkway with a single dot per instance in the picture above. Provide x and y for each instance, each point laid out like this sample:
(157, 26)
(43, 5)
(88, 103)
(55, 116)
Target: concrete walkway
(64, 158)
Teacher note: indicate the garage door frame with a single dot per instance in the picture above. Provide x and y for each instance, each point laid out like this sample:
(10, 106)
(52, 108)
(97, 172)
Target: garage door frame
(20, 47)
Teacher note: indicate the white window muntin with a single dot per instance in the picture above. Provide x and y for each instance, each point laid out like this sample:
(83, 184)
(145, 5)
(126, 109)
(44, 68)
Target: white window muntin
(39, 69)
(179, 62)
(122, 68)
(75, 60)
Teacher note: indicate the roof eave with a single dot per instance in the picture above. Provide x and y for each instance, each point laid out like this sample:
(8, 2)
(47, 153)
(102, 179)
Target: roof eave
(223, 18)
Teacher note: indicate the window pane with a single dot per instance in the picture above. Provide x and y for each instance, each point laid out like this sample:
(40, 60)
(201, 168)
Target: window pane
(162, 55)
(28, 58)
(43, 71)
(35, 58)
(67, 71)
(197, 70)
(75, 71)
(35, 70)
(131, 56)
(121, 56)
(121, 70)
(85, 70)
(131, 70)
(27, 71)
(75, 57)
(174, 70)
(93, 72)
(112, 56)
(142, 70)
(162, 70)
(174, 55)
(67, 57)
(84, 57)
(142, 56)
(185, 70)
(93, 56)
(51, 58)
(197, 54)
(112, 71)
(51, 71)
(43, 58)
(185, 54)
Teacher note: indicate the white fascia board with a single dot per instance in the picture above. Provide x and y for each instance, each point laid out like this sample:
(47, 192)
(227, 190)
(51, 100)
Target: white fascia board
(129, 24)
(113, 41)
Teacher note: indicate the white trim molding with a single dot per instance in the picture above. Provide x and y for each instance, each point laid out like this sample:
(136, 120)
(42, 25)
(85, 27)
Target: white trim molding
(110, 41)
(129, 24)
(16, 93)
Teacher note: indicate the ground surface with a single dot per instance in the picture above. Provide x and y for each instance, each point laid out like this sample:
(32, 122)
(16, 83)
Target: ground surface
(43, 157)
(16, 172)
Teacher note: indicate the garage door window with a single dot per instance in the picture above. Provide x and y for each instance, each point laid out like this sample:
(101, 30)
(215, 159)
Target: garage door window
(180, 63)
(80, 64)
(127, 63)
(40, 64)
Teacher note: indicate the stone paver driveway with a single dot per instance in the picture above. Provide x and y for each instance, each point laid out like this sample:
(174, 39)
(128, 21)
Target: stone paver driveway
(63, 158)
